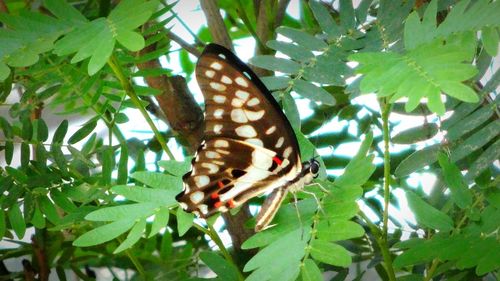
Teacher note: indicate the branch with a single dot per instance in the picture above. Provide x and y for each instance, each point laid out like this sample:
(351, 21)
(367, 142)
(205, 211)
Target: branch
(280, 14)
(216, 23)
(41, 257)
(185, 45)
(176, 102)
(3, 7)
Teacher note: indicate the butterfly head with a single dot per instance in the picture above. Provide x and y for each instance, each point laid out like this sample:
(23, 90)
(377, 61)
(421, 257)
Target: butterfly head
(314, 167)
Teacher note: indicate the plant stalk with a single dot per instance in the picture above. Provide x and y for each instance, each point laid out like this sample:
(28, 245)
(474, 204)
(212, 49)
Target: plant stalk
(127, 86)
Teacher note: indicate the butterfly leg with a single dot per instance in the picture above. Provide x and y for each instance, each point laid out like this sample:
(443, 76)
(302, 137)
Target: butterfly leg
(320, 208)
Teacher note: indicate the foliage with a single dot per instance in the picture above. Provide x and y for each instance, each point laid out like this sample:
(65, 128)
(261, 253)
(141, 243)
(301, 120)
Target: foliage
(90, 202)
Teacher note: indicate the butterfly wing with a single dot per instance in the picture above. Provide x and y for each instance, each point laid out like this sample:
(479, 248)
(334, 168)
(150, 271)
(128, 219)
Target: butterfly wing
(250, 147)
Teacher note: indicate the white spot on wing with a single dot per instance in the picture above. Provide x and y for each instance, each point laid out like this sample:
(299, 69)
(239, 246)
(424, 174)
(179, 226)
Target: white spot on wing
(238, 116)
(261, 160)
(221, 143)
(226, 80)
(254, 115)
(212, 168)
(255, 141)
(219, 99)
(203, 209)
(236, 102)
(217, 86)
(183, 205)
(241, 81)
(216, 65)
(222, 151)
(287, 152)
(201, 181)
(197, 197)
(246, 131)
(271, 130)
(212, 154)
(280, 142)
(217, 128)
(220, 163)
(253, 102)
(242, 95)
(218, 113)
(210, 73)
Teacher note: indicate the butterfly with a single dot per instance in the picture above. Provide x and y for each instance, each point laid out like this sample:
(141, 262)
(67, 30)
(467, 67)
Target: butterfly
(249, 148)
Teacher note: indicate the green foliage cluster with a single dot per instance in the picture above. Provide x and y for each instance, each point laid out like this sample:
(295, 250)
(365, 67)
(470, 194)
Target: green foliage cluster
(89, 207)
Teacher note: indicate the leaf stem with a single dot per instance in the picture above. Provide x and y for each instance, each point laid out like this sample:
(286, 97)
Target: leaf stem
(215, 237)
(127, 86)
(387, 165)
(137, 264)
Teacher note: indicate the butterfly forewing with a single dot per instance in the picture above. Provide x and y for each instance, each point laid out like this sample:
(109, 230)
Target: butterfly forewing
(249, 148)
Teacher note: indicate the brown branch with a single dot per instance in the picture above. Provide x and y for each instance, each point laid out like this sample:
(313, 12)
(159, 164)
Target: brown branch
(280, 14)
(185, 45)
(43, 266)
(3, 7)
(28, 270)
(176, 102)
(216, 23)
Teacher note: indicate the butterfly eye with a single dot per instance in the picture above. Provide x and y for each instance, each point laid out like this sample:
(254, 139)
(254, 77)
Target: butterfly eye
(314, 168)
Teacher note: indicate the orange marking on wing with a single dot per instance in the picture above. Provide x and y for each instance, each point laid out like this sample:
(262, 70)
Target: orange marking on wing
(231, 203)
(220, 184)
(218, 204)
(277, 160)
(214, 195)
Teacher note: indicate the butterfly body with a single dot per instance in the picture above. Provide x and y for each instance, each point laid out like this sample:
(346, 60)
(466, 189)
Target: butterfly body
(249, 148)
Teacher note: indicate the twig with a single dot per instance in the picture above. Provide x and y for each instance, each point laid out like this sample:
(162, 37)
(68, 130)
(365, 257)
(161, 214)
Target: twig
(280, 14)
(215, 23)
(185, 45)
(3, 7)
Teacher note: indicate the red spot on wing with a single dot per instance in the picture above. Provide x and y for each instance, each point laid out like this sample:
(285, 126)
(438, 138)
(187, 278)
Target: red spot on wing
(214, 195)
(277, 160)
(231, 203)
(218, 204)
(220, 184)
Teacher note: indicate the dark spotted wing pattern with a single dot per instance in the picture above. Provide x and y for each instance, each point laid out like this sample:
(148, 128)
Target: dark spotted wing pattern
(249, 147)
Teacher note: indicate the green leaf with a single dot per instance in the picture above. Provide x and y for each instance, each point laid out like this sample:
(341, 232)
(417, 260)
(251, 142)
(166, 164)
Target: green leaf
(276, 82)
(9, 152)
(416, 134)
(347, 16)
(476, 141)
(3, 224)
(469, 123)
(302, 38)
(184, 221)
(291, 110)
(309, 270)
(427, 215)
(116, 213)
(48, 208)
(417, 160)
(295, 52)
(324, 19)
(164, 197)
(225, 271)
(108, 164)
(25, 154)
(166, 245)
(123, 165)
(339, 230)
(83, 132)
(104, 233)
(489, 36)
(313, 92)
(17, 174)
(330, 253)
(158, 180)
(16, 221)
(133, 236)
(276, 64)
(484, 161)
(62, 201)
(60, 132)
(270, 263)
(460, 192)
(41, 131)
(130, 40)
(176, 168)
(160, 221)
